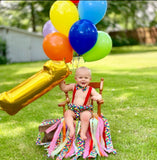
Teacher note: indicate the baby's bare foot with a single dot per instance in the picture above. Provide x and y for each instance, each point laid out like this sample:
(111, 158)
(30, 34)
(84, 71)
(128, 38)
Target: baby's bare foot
(83, 136)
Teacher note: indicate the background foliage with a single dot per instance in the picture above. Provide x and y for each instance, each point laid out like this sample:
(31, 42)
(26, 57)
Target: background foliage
(3, 59)
(120, 14)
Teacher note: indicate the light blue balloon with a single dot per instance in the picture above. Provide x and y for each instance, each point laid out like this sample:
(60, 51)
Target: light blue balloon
(93, 11)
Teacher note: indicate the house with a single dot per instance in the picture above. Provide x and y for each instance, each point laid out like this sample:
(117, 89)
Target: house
(22, 46)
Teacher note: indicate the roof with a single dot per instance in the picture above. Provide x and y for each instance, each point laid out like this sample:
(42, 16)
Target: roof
(21, 31)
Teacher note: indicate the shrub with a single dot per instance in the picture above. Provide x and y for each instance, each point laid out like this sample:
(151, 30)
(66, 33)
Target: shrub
(3, 58)
(123, 40)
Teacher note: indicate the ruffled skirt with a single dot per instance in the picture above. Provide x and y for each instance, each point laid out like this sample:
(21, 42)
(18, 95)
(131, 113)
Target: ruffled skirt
(98, 142)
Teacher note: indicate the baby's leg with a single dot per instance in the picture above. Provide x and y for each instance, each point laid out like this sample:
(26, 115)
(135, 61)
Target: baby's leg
(69, 120)
(84, 117)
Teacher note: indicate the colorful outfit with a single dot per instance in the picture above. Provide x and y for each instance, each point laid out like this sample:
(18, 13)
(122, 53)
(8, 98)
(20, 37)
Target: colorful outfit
(98, 142)
(80, 108)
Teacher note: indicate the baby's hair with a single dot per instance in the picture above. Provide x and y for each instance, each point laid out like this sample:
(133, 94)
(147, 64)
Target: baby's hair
(84, 68)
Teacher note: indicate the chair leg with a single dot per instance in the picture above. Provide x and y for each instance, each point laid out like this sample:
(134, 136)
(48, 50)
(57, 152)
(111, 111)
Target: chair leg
(99, 110)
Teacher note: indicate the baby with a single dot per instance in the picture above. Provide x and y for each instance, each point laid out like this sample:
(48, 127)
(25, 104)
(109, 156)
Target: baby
(80, 107)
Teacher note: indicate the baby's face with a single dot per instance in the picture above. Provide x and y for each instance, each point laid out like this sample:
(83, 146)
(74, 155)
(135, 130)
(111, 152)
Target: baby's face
(83, 77)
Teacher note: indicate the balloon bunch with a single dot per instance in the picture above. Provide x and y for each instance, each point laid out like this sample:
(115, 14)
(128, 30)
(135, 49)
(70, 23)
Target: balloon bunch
(72, 27)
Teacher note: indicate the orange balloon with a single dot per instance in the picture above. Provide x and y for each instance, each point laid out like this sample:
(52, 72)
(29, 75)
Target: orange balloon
(57, 47)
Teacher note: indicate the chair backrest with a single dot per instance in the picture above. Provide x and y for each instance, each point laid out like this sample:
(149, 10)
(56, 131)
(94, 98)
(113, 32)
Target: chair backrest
(97, 85)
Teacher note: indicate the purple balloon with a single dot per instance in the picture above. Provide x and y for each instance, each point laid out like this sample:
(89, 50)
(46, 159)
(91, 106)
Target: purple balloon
(48, 28)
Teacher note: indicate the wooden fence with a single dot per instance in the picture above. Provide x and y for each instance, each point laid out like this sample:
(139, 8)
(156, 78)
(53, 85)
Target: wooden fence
(141, 35)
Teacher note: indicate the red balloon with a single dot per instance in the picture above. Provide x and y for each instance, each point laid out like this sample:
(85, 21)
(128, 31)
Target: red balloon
(57, 47)
(75, 1)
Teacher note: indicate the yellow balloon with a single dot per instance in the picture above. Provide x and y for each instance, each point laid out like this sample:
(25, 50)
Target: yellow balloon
(63, 14)
(52, 74)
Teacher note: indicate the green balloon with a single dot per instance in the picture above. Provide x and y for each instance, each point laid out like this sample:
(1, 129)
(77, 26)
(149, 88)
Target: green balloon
(101, 49)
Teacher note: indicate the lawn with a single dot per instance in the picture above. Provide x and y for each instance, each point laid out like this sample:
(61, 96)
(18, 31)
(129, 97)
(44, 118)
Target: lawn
(130, 91)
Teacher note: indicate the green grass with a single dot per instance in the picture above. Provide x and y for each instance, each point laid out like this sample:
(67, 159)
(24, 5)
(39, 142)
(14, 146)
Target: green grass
(130, 105)
(133, 49)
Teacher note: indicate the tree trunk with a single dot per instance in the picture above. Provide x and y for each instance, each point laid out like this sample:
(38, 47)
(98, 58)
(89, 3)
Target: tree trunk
(33, 17)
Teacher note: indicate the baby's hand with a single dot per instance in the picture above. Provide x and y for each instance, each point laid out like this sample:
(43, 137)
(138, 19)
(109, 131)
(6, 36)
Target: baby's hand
(62, 82)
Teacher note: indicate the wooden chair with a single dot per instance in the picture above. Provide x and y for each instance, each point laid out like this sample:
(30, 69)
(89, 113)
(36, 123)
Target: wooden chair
(96, 85)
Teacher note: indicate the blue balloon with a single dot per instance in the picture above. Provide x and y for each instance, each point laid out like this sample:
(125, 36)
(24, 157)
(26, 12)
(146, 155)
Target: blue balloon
(93, 11)
(83, 36)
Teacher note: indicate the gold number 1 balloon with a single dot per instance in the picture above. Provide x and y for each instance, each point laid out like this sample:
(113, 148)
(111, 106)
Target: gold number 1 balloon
(52, 74)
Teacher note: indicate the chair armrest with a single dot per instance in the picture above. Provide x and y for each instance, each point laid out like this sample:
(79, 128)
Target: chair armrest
(100, 101)
(62, 104)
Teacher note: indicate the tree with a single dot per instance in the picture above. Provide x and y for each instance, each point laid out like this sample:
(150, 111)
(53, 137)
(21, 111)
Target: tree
(33, 14)
(125, 14)
(26, 15)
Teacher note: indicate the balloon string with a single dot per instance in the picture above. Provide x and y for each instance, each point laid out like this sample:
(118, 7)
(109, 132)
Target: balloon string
(73, 61)
(78, 60)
